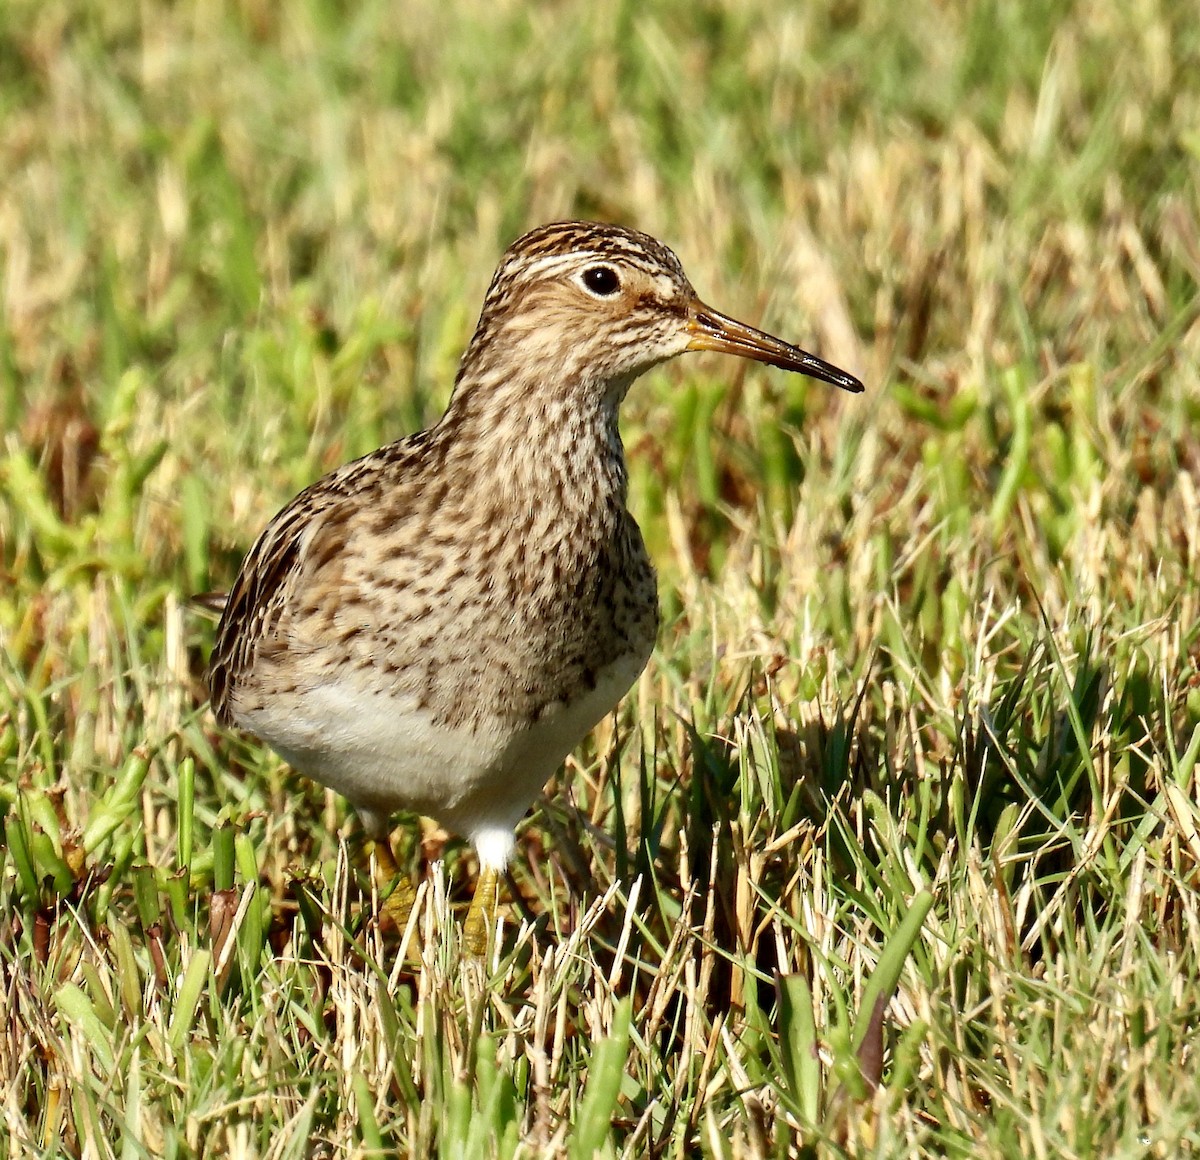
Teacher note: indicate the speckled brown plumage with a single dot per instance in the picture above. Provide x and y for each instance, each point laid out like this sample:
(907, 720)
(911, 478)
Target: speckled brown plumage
(435, 626)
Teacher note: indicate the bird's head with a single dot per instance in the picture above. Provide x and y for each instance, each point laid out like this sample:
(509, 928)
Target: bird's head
(585, 302)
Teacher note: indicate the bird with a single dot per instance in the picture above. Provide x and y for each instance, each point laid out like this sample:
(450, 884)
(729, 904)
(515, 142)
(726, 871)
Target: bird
(435, 626)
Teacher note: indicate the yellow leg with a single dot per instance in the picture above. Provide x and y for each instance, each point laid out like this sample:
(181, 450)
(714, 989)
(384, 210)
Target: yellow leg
(397, 905)
(481, 917)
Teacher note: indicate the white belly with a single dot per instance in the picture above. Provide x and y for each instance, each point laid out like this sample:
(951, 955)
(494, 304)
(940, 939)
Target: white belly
(385, 755)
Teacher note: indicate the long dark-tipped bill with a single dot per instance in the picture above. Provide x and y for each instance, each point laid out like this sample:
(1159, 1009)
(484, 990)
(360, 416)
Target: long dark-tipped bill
(712, 330)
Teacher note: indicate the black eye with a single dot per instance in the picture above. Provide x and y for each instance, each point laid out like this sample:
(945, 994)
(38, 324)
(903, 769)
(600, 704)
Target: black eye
(601, 280)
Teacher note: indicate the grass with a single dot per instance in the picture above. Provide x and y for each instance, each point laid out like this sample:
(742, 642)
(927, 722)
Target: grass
(894, 848)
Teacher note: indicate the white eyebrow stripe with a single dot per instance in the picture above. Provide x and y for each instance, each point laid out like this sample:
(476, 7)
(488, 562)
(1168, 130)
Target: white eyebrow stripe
(552, 262)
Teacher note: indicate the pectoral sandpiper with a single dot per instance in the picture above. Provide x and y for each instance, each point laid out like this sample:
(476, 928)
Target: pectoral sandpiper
(435, 626)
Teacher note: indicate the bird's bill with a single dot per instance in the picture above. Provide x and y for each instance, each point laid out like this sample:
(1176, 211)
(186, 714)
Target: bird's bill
(711, 330)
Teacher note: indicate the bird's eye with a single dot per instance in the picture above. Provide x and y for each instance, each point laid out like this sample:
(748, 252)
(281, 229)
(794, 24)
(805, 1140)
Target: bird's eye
(601, 280)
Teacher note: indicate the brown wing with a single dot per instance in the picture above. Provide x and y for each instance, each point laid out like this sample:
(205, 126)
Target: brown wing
(304, 539)
(254, 602)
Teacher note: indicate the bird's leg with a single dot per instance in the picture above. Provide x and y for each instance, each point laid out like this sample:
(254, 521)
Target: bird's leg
(398, 903)
(481, 916)
(494, 845)
(394, 887)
